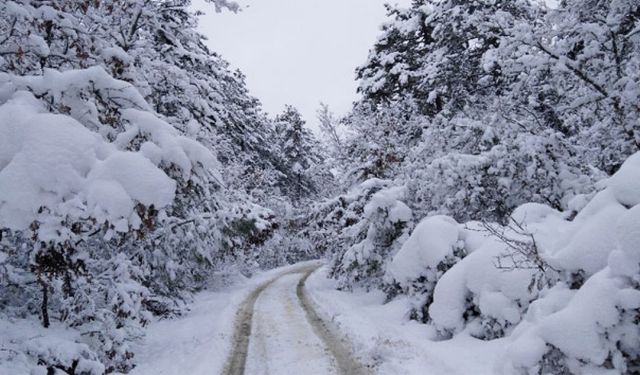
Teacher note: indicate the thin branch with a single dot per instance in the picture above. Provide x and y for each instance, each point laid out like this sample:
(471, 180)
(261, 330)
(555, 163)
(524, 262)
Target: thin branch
(579, 73)
(13, 28)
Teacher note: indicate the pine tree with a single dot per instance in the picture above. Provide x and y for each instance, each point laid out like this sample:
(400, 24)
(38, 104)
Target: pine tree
(301, 157)
(134, 86)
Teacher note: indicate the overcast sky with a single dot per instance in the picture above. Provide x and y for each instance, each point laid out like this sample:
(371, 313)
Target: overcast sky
(298, 52)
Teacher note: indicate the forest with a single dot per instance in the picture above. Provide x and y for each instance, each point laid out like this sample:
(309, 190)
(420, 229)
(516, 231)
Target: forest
(488, 177)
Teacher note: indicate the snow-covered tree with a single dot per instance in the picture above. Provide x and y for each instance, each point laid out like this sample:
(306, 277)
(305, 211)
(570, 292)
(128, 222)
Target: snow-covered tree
(300, 152)
(382, 224)
(113, 113)
(329, 125)
(576, 70)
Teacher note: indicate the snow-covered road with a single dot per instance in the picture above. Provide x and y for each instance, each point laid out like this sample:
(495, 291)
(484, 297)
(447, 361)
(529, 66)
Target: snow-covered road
(278, 332)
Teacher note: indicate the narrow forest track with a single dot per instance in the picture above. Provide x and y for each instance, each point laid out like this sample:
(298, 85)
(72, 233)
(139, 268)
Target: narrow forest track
(278, 331)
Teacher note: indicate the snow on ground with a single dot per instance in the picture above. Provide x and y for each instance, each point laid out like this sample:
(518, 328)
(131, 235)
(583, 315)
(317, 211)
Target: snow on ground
(283, 341)
(24, 338)
(383, 337)
(199, 342)
(196, 343)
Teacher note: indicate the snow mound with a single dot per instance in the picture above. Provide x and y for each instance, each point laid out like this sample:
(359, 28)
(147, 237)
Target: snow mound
(533, 213)
(430, 243)
(594, 327)
(52, 162)
(389, 199)
(625, 184)
(628, 234)
(165, 144)
(591, 243)
(477, 293)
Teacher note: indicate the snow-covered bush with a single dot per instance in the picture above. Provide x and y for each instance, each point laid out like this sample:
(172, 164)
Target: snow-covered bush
(328, 222)
(62, 185)
(379, 140)
(488, 291)
(483, 170)
(434, 246)
(383, 225)
(595, 327)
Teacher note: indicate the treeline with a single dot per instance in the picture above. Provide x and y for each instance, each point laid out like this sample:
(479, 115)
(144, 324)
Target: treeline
(508, 117)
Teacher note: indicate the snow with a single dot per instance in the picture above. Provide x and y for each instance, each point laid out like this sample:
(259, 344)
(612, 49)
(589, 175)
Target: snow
(498, 294)
(580, 328)
(390, 199)
(172, 148)
(138, 177)
(196, 343)
(533, 213)
(283, 342)
(430, 243)
(86, 159)
(109, 196)
(116, 53)
(628, 234)
(199, 342)
(585, 318)
(625, 184)
(52, 161)
(385, 340)
(595, 323)
(24, 339)
(590, 244)
(591, 323)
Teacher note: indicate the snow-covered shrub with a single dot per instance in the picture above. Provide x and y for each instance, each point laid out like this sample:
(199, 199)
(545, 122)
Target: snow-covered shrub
(379, 140)
(59, 355)
(328, 223)
(488, 291)
(248, 227)
(61, 185)
(596, 327)
(474, 292)
(493, 175)
(371, 241)
(434, 246)
(91, 203)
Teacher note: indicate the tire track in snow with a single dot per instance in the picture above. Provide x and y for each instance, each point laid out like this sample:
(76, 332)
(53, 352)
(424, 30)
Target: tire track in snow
(336, 348)
(242, 331)
(339, 348)
(237, 360)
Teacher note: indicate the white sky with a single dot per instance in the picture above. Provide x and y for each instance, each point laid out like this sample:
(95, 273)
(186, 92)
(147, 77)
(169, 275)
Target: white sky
(298, 52)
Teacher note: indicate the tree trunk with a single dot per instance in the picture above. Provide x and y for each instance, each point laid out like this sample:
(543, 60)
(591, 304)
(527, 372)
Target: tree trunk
(45, 303)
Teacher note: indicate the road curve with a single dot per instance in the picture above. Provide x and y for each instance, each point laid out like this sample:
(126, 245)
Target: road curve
(278, 331)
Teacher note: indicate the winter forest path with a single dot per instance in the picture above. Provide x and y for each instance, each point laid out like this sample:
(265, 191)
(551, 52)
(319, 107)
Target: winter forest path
(277, 331)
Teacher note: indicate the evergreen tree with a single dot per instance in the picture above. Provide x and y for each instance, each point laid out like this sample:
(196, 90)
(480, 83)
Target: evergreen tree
(301, 157)
(142, 101)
